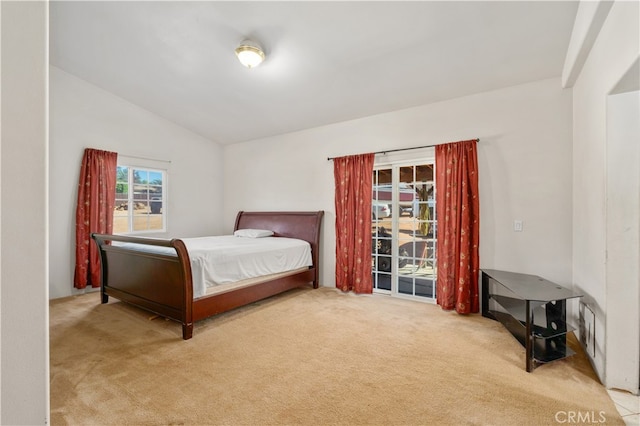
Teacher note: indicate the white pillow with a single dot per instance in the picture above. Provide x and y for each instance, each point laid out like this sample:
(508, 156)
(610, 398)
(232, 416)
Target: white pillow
(253, 233)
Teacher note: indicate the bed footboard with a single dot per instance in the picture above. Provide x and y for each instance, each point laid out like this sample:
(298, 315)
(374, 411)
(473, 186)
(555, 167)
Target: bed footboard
(159, 282)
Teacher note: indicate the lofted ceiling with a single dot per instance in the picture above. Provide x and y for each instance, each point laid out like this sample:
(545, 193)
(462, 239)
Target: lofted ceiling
(327, 62)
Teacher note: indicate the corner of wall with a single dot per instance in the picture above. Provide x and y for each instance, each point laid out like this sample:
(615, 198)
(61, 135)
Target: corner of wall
(611, 54)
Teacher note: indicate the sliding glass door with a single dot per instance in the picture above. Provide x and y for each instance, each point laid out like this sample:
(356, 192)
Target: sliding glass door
(404, 230)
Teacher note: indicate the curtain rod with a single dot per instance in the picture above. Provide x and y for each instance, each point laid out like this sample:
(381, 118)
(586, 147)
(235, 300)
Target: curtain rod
(404, 149)
(145, 158)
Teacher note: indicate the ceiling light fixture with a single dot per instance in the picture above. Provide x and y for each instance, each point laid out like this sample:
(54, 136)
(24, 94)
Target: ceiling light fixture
(249, 54)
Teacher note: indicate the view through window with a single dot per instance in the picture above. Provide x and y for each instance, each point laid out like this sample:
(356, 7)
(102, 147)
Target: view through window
(140, 200)
(404, 229)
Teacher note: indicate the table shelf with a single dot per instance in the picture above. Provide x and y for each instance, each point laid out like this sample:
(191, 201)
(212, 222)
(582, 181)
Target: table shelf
(516, 309)
(542, 352)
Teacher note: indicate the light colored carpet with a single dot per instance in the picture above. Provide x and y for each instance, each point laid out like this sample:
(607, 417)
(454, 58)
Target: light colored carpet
(317, 357)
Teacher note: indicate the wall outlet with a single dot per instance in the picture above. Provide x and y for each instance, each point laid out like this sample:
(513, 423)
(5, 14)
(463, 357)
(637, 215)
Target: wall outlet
(517, 225)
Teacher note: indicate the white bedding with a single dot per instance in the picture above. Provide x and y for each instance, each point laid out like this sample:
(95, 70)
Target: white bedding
(226, 259)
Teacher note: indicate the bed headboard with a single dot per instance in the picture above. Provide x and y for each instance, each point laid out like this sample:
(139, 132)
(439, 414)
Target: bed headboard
(301, 225)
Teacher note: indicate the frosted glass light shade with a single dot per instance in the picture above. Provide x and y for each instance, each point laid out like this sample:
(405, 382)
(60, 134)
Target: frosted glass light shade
(249, 54)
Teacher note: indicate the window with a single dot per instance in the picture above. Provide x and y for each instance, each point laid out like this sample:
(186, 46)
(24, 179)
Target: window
(140, 200)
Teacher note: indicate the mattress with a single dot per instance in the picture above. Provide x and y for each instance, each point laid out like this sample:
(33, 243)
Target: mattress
(224, 288)
(227, 259)
(217, 262)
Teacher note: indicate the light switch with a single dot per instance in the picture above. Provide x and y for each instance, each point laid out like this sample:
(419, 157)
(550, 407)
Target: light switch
(517, 225)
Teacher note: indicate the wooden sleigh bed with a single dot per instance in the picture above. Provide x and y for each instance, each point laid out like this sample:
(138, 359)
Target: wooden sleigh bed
(162, 282)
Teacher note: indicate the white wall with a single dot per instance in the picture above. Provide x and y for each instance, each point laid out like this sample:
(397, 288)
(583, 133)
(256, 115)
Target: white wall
(24, 309)
(84, 116)
(613, 53)
(623, 241)
(524, 161)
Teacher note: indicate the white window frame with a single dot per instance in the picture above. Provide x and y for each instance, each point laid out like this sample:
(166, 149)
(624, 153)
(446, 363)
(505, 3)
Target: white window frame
(158, 166)
(394, 161)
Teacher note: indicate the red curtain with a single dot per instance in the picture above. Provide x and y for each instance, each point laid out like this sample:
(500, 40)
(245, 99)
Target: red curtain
(353, 185)
(458, 215)
(94, 212)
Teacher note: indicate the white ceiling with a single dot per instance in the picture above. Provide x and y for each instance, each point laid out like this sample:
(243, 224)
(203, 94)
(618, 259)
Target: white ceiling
(326, 61)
